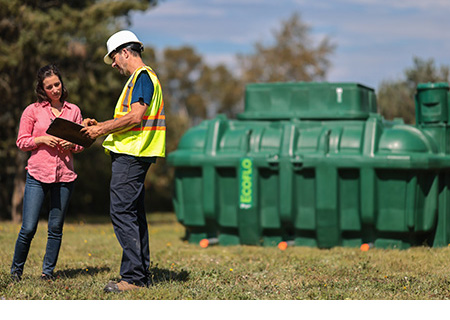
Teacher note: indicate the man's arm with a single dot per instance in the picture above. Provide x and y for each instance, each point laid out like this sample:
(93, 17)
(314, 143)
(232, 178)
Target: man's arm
(124, 123)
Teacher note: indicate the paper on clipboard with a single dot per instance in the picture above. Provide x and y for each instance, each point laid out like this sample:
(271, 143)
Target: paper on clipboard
(70, 131)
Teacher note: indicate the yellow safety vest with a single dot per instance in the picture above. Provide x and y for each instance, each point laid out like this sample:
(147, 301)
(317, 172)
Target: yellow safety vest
(147, 139)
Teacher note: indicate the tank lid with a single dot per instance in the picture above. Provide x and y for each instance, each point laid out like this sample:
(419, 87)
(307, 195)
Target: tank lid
(308, 100)
(430, 85)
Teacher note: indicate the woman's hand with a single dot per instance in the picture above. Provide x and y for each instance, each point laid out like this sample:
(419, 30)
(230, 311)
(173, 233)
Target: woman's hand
(66, 145)
(51, 141)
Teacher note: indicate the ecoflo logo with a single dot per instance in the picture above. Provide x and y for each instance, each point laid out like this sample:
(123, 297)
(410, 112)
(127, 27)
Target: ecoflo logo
(246, 183)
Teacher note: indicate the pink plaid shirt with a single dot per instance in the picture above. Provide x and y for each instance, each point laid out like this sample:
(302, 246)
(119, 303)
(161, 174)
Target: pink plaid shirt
(47, 164)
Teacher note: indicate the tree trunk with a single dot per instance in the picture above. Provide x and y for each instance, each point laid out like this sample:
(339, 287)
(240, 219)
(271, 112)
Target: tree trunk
(19, 187)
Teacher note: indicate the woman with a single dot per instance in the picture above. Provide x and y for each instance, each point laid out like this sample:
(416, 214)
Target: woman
(49, 169)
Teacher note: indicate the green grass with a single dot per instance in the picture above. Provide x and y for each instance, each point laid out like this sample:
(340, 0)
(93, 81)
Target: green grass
(90, 257)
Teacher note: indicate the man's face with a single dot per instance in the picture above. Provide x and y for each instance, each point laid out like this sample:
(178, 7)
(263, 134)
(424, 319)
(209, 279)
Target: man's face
(119, 62)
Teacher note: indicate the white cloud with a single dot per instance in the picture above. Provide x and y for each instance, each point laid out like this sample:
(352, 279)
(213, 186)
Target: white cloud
(178, 8)
(227, 59)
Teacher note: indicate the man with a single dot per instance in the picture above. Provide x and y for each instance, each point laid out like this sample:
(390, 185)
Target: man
(136, 137)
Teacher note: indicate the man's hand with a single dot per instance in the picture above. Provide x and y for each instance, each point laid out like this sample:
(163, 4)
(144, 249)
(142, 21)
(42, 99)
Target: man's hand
(92, 128)
(93, 131)
(89, 122)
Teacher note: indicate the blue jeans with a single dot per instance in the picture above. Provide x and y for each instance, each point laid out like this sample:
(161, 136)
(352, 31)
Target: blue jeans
(33, 199)
(127, 212)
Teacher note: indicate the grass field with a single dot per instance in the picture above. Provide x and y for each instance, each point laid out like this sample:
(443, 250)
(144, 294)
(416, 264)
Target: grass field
(90, 257)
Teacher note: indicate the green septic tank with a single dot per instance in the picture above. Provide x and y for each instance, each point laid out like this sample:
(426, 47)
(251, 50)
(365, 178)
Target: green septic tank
(314, 164)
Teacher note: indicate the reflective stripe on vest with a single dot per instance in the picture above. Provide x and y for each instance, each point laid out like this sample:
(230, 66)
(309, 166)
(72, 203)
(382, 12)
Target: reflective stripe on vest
(143, 140)
(150, 123)
(157, 122)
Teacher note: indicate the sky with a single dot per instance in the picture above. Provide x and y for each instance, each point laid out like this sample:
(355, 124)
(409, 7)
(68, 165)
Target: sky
(376, 40)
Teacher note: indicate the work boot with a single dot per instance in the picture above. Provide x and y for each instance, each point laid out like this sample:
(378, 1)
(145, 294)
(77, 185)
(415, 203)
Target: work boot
(120, 287)
(16, 277)
(47, 277)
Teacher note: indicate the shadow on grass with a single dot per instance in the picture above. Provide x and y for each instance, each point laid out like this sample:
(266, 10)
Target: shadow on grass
(158, 275)
(155, 218)
(73, 273)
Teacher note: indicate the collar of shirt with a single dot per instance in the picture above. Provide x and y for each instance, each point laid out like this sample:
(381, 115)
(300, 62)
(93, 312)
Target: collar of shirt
(46, 104)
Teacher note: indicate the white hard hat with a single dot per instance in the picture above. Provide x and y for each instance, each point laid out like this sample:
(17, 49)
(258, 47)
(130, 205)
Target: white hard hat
(118, 39)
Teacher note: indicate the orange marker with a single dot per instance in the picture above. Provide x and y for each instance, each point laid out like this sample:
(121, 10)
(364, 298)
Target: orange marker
(366, 246)
(282, 245)
(204, 243)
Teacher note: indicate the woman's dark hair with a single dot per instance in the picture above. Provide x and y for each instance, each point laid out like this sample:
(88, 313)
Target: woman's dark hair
(43, 73)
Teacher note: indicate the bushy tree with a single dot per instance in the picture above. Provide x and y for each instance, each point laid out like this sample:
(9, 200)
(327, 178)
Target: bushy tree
(293, 56)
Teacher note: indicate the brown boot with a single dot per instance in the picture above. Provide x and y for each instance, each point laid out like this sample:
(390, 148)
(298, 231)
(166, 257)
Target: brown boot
(120, 287)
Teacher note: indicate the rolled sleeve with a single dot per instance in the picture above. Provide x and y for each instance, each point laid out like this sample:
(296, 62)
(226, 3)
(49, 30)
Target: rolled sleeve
(25, 139)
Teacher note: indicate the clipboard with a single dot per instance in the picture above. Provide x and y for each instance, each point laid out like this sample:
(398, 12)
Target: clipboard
(70, 131)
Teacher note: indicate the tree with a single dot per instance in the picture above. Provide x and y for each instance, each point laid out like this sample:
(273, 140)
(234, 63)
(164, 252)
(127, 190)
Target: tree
(292, 57)
(72, 34)
(396, 98)
(222, 90)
